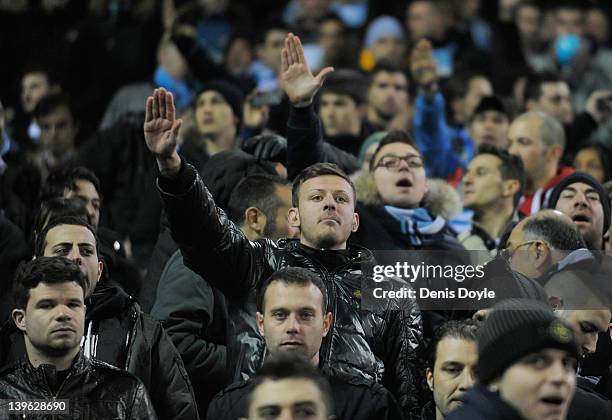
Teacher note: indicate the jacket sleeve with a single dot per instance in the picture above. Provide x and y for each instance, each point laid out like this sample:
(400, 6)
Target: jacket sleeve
(212, 246)
(433, 137)
(185, 306)
(305, 145)
(402, 340)
(385, 406)
(170, 387)
(142, 407)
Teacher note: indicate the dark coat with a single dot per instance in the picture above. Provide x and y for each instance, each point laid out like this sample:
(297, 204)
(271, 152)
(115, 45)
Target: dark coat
(94, 390)
(119, 333)
(361, 343)
(353, 400)
(482, 404)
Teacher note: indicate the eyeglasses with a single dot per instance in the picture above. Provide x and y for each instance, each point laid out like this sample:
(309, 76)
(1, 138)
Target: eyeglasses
(508, 252)
(393, 162)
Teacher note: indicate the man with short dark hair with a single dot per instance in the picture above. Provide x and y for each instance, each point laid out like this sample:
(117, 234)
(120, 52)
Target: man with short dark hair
(586, 202)
(325, 214)
(50, 312)
(293, 318)
(451, 366)
(287, 386)
(117, 331)
(493, 185)
(388, 98)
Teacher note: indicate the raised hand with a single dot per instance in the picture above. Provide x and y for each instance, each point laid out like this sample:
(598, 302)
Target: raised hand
(423, 65)
(296, 78)
(161, 129)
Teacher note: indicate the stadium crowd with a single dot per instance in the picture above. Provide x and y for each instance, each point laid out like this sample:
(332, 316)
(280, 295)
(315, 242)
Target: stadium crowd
(195, 194)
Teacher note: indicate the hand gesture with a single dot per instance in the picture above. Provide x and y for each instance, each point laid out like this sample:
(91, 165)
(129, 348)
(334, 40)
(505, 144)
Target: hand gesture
(296, 78)
(423, 65)
(161, 129)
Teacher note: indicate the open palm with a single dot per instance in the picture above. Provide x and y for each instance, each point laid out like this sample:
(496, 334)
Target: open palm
(297, 80)
(161, 126)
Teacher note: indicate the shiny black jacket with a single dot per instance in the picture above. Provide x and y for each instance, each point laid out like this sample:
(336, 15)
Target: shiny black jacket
(378, 344)
(94, 390)
(119, 333)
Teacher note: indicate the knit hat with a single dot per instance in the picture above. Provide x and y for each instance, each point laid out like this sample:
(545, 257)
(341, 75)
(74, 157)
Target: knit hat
(516, 328)
(383, 26)
(586, 179)
(232, 95)
(492, 103)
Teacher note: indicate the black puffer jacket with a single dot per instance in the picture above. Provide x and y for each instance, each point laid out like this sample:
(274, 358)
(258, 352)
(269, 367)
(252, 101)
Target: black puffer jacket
(119, 333)
(94, 390)
(375, 345)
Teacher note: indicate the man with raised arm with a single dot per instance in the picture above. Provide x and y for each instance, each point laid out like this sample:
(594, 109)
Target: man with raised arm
(372, 344)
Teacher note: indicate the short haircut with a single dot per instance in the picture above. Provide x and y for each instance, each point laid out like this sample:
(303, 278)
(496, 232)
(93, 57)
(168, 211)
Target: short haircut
(41, 239)
(50, 270)
(50, 103)
(395, 136)
(58, 207)
(66, 178)
(551, 130)
(346, 82)
(293, 366)
(314, 171)
(255, 191)
(510, 168)
(464, 329)
(292, 275)
(561, 235)
(386, 66)
(533, 87)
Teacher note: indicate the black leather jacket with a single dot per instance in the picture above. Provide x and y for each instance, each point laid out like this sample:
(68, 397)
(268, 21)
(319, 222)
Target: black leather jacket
(94, 390)
(372, 344)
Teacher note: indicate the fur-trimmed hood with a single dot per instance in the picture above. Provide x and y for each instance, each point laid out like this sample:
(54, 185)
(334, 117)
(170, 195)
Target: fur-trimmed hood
(441, 199)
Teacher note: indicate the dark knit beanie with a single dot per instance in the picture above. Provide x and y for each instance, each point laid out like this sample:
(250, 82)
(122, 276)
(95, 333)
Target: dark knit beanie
(516, 328)
(492, 103)
(585, 179)
(232, 95)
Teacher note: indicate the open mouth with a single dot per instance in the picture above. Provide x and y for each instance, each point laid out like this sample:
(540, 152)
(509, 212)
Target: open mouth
(581, 218)
(552, 400)
(403, 183)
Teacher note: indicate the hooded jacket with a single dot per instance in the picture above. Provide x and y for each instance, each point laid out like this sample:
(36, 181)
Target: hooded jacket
(94, 390)
(119, 333)
(372, 344)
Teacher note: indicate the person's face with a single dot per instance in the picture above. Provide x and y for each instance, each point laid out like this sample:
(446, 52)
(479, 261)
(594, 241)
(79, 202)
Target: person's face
(483, 183)
(326, 212)
(57, 130)
(54, 317)
(270, 51)
(479, 87)
(420, 19)
(540, 385)
(597, 26)
(569, 21)
(404, 186)
(339, 114)
(287, 399)
(86, 191)
(525, 137)
(581, 203)
(522, 258)
(239, 56)
(555, 100)
(281, 227)
(213, 114)
(387, 93)
(587, 324)
(389, 47)
(453, 373)
(294, 319)
(331, 36)
(78, 244)
(588, 160)
(528, 21)
(33, 87)
(490, 127)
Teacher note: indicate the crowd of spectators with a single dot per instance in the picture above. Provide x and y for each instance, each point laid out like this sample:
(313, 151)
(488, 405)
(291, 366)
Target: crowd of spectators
(194, 193)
